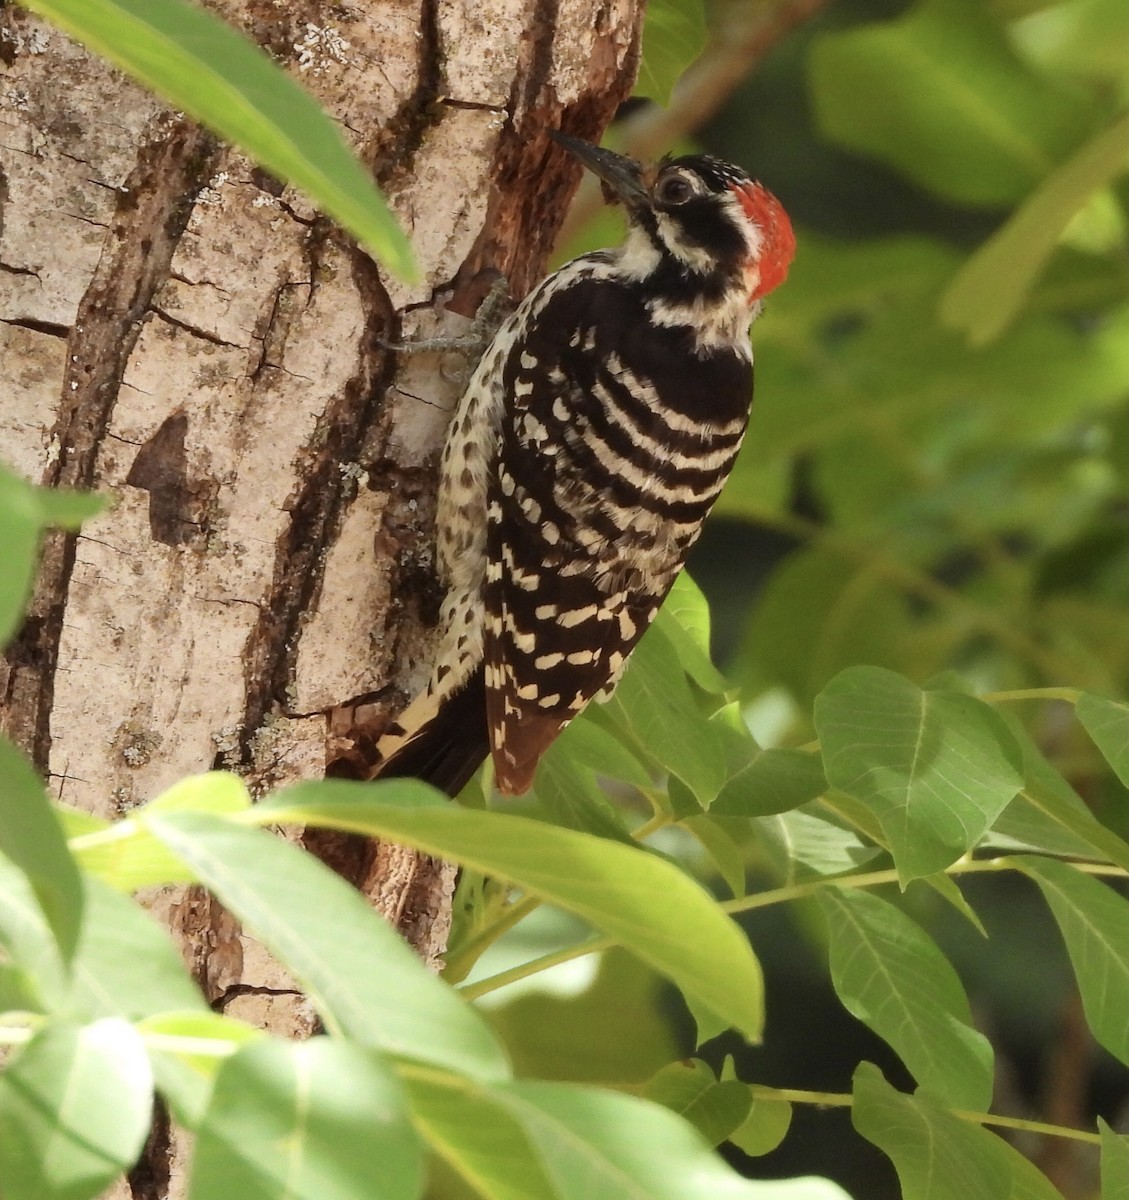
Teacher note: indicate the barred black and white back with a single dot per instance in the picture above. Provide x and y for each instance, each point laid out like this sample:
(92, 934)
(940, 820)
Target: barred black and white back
(590, 444)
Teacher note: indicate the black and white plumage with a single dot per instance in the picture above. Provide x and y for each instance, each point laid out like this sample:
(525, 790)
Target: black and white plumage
(587, 450)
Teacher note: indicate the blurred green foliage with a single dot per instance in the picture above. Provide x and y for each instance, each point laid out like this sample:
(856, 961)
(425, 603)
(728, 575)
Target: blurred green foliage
(951, 500)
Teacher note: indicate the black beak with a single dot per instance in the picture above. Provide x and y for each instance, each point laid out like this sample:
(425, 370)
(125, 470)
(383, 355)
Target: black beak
(621, 176)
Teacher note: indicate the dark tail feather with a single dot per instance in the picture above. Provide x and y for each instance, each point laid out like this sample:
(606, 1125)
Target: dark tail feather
(450, 747)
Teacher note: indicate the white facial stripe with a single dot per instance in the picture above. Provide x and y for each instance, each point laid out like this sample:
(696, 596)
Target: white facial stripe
(694, 257)
(754, 235)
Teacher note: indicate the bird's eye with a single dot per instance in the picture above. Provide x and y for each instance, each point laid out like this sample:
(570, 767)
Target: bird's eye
(674, 189)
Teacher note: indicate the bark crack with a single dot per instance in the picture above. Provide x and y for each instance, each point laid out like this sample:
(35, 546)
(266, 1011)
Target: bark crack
(203, 334)
(316, 511)
(47, 327)
(152, 212)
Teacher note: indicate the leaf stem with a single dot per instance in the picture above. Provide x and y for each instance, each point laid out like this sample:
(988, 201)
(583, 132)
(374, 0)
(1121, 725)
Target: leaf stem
(460, 964)
(845, 1100)
(1070, 695)
(781, 895)
(660, 820)
(974, 866)
(472, 991)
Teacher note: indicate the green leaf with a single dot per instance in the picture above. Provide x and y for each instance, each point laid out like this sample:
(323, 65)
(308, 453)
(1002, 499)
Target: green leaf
(616, 1028)
(716, 1108)
(567, 787)
(723, 849)
(208, 69)
(993, 285)
(640, 900)
(213, 792)
(597, 1145)
(362, 976)
(801, 844)
(936, 768)
(19, 991)
(187, 1050)
(764, 1128)
(685, 619)
(655, 704)
(1050, 815)
(314, 1120)
(77, 822)
(1094, 921)
(674, 34)
(127, 856)
(940, 95)
(75, 1107)
(939, 1156)
(25, 511)
(126, 964)
(204, 1034)
(480, 1142)
(32, 839)
(773, 782)
(26, 937)
(1107, 723)
(1115, 1163)
(890, 974)
(1079, 39)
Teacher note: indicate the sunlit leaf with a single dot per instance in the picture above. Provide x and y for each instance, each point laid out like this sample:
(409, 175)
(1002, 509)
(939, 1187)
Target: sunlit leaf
(26, 940)
(685, 619)
(568, 786)
(201, 1037)
(1077, 39)
(654, 703)
(774, 781)
(362, 976)
(802, 844)
(615, 1028)
(597, 1145)
(640, 900)
(1049, 814)
(314, 1120)
(482, 1144)
(32, 839)
(25, 511)
(764, 1128)
(127, 856)
(126, 964)
(726, 853)
(75, 1107)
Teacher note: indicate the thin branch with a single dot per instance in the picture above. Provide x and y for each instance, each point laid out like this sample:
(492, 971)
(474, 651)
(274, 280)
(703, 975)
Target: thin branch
(732, 54)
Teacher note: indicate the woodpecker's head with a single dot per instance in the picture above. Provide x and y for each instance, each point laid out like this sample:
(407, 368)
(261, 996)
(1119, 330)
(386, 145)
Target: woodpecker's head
(695, 222)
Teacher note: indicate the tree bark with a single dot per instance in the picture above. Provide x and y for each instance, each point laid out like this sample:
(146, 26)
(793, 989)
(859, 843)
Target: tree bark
(182, 332)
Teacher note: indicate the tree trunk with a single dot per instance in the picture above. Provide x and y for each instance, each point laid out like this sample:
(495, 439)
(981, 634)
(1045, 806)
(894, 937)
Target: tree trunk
(181, 332)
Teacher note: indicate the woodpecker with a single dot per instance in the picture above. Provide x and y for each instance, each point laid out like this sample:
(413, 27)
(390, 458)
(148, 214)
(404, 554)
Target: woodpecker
(591, 442)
